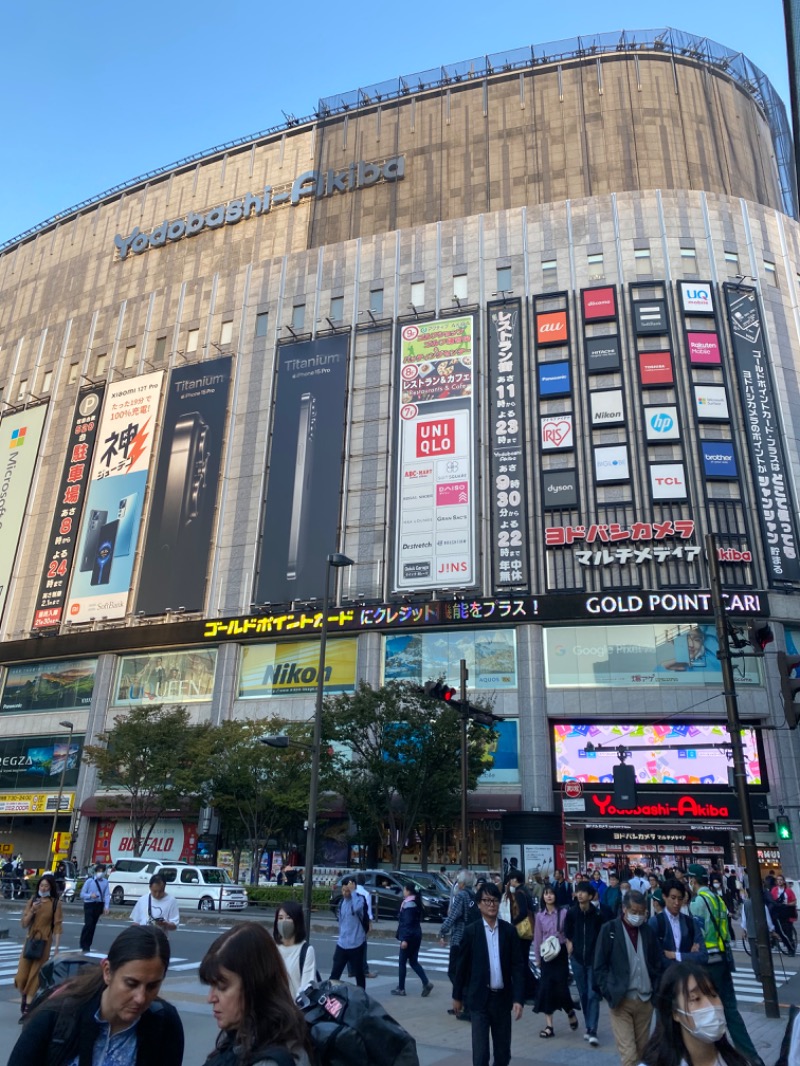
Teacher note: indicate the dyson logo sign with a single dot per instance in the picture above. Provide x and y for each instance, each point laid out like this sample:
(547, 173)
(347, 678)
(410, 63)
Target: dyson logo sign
(313, 184)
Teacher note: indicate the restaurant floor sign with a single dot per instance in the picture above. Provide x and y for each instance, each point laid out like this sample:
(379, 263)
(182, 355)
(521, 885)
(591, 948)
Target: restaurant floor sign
(667, 806)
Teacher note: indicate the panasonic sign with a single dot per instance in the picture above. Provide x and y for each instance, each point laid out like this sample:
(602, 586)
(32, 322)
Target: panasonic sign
(313, 184)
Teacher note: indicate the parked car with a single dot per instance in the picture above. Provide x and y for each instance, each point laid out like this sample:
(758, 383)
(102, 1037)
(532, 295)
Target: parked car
(386, 889)
(205, 888)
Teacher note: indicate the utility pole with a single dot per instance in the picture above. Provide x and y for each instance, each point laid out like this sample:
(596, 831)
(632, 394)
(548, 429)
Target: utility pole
(464, 764)
(771, 1006)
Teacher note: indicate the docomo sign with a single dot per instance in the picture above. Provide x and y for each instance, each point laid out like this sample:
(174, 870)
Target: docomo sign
(312, 183)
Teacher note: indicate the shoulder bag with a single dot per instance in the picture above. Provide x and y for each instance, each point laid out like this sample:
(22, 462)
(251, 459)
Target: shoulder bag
(34, 945)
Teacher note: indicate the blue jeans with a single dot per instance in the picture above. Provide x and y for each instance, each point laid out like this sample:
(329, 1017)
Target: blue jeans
(590, 1000)
(409, 955)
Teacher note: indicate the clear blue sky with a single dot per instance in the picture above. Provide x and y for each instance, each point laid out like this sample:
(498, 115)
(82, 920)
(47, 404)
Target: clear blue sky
(96, 93)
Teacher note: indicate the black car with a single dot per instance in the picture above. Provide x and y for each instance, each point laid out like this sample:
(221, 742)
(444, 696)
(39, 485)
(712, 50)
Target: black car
(386, 889)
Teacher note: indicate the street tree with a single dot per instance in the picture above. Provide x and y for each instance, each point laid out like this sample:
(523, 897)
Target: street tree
(151, 759)
(398, 762)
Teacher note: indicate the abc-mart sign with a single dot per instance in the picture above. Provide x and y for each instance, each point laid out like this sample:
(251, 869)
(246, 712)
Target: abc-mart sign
(313, 184)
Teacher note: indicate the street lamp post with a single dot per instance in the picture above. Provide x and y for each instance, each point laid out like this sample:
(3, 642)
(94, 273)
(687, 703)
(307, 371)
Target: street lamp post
(337, 560)
(52, 852)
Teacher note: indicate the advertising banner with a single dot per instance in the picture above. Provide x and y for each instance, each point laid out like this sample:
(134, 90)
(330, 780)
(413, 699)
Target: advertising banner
(20, 436)
(301, 513)
(559, 488)
(170, 677)
(668, 481)
(611, 463)
(504, 755)
(67, 513)
(37, 802)
(181, 522)
(607, 408)
(711, 402)
(435, 534)
(556, 433)
(48, 686)
(602, 354)
(694, 805)
(764, 436)
(634, 656)
(170, 841)
(719, 459)
(291, 669)
(110, 531)
(554, 380)
(655, 368)
(703, 349)
(507, 438)
(661, 423)
(650, 316)
(551, 328)
(491, 658)
(599, 305)
(37, 762)
(696, 298)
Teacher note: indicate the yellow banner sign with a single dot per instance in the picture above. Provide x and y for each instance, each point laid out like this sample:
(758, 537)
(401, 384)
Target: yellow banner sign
(291, 668)
(35, 802)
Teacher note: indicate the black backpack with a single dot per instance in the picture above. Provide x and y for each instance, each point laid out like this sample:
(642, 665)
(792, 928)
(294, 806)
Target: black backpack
(347, 1026)
(472, 912)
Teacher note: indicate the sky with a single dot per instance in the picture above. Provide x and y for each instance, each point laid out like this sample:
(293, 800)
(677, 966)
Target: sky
(96, 94)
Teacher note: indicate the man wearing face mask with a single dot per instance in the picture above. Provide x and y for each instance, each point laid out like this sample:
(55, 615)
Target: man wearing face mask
(627, 967)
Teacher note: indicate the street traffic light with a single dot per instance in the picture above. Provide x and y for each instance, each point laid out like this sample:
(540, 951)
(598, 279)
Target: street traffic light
(440, 690)
(790, 686)
(783, 827)
(759, 637)
(480, 715)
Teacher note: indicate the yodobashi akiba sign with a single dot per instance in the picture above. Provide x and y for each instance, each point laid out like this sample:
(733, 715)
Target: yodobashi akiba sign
(312, 184)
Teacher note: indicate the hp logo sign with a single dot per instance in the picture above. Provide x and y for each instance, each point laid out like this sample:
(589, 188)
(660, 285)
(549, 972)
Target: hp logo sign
(662, 422)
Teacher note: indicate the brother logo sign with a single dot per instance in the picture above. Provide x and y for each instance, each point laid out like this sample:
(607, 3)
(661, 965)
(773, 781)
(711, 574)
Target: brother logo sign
(313, 183)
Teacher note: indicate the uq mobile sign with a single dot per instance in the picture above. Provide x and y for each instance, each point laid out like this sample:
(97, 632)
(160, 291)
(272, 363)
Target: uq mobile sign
(312, 184)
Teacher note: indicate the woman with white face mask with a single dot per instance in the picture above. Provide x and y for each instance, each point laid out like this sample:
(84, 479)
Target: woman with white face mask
(690, 1027)
(298, 956)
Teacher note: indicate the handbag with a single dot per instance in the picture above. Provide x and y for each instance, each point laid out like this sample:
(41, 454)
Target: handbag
(524, 929)
(34, 948)
(550, 949)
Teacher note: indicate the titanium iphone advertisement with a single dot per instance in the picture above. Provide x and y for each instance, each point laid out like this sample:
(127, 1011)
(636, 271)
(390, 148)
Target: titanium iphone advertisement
(435, 515)
(112, 519)
(67, 514)
(301, 513)
(20, 436)
(181, 525)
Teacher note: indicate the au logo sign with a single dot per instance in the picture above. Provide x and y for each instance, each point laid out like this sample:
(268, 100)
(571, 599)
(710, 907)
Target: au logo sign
(552, 328)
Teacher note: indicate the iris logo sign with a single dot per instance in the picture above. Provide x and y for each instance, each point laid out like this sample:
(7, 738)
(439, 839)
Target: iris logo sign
(697, 298)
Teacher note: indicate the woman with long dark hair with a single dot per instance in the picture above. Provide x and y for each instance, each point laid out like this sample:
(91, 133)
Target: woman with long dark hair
(409, 933)
(42, 920)
(690, 1022)
(298, 955)
(112, 1010)
(553, 992)
(253, 1006)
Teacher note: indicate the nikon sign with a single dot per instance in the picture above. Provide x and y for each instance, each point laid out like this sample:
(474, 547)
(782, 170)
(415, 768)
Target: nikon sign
(313, 184)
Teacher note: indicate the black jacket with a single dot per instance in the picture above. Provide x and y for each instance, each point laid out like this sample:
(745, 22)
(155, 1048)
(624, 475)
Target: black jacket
(408, 924)
(582, 929)
(46, 1043)
(472, 977)
(611, 968)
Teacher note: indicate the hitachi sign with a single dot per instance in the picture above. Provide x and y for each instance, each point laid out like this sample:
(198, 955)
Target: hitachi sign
(312, 184)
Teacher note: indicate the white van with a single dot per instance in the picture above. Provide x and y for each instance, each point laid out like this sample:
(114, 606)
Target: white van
(204, 888)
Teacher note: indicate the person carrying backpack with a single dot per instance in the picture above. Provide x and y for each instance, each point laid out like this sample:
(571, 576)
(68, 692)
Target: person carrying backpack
(353, 924)
(463, 911)
(680, 936)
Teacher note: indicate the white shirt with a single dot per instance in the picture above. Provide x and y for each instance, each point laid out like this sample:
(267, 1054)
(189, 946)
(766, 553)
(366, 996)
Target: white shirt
(299, 982)
(675, 924)
(362, 891)
(493, 944)
(166, 908)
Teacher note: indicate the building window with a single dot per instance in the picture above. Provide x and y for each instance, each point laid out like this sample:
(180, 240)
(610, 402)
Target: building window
(733, 259)
(73, 374)
(298, 316)
(337, 309)
(226, 333)
(459, 286)
(192, 340)
(418, 294)
(47, 381)
(101, 366)
(504, 279)
(595, 260)
(376, 301)
(262, 321)
(23, 389)
(688, 253)
(771, 272)
(161, 349)
(130, 356)
(641, 253)
(549, 264)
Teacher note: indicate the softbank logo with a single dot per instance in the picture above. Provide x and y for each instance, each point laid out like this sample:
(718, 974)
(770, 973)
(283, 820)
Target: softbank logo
(313, 184)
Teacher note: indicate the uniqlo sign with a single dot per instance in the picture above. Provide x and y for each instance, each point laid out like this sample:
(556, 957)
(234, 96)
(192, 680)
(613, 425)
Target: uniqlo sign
(655, 368)
(599, 304)
(436, 437)
(551, 328)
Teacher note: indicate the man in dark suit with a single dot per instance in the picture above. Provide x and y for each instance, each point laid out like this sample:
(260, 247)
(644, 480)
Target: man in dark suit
(491, 976)
(679, 936)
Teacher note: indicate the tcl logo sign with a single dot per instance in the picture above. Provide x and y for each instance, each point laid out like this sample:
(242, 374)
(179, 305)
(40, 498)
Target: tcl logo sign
(551, 328)
(668, 481)
(437, 437)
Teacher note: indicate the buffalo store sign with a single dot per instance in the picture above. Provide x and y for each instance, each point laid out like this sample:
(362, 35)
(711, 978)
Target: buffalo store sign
(291, 669)
(181, 525)
(666, 807)
(764, 436)
(67, 513)
(301, 512)
(37, 762)
(507, 438)
(312, 184)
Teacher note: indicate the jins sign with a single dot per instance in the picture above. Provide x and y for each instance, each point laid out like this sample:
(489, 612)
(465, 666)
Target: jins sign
(313, 183)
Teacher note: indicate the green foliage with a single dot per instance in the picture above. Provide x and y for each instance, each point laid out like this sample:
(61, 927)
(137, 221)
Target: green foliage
(399, 761)
(153, 758)
(275, 895)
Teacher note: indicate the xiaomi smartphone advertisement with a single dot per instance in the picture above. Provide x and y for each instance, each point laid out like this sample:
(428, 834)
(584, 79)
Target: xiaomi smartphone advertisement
(110, 532)
(181, 523)
(435, 516)
(72, 490)
(20, 435)
(301, 514)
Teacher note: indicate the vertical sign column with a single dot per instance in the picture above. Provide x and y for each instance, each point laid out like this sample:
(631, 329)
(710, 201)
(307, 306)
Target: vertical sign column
(110, 530)
(507, 438)
(68, 510)
(435, 531)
